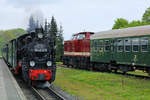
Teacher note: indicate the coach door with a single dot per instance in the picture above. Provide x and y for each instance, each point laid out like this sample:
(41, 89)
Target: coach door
(112, 49)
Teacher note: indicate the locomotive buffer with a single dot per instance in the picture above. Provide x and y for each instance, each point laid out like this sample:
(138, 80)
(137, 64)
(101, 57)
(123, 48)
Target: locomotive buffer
(9, 89)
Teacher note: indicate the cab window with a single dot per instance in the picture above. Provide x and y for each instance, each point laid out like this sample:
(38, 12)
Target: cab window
(81, 36)
(74, 37)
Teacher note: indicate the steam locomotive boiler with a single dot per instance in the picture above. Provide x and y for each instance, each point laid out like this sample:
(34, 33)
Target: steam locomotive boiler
(32, 56)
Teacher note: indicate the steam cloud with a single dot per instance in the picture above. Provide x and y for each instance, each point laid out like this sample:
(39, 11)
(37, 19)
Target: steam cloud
(27, 3)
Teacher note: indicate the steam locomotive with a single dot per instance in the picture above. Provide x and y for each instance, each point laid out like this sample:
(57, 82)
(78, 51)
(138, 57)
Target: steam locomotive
(32, 56)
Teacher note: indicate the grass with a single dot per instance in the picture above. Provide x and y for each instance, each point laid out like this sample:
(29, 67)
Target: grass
(101, 86)
(139, 72)
(59, 63)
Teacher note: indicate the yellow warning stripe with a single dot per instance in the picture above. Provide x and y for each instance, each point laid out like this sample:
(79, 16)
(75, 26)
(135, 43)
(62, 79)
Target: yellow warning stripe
(77, 53)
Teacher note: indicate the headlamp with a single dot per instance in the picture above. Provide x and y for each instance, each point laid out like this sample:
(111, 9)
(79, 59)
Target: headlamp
(32, 63)
(40, 35)
(49, 63)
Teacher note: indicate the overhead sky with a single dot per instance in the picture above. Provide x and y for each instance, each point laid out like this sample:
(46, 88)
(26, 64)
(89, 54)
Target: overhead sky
(74, 15)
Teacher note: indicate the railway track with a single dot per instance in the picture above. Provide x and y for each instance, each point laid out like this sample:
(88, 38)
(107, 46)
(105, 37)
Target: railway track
(133, 75)
(119, 73)
(38, 93)
(47, 94)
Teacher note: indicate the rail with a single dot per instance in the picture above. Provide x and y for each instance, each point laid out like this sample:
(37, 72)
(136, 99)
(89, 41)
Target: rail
(47, 94)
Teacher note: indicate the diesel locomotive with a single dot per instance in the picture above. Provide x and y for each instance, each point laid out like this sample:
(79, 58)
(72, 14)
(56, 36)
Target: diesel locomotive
(32, 56)
(77, 50)
(121, 49)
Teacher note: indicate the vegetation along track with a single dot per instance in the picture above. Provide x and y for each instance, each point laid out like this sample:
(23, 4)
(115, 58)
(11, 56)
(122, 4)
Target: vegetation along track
(47, 94)
(125, 74)
(133, 75)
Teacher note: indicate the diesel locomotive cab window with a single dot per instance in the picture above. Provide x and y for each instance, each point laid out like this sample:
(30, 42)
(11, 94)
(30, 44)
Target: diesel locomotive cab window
(107, 45)
(127, 44)
(120, 45)
(135, 45)
(144, 44)
(81, 36)
(74, 37)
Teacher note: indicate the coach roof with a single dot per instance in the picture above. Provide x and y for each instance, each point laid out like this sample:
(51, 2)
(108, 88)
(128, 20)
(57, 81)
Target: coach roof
(127, 32)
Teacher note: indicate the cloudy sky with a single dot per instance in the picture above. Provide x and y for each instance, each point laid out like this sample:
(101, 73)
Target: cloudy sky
(74, 15)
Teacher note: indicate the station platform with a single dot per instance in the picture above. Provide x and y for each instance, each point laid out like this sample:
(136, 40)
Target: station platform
(9, 89)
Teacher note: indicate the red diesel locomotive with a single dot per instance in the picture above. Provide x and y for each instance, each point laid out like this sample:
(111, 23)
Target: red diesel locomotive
(77, 51)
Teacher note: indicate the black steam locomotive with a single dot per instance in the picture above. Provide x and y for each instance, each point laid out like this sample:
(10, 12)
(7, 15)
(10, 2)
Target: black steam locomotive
(32, 56)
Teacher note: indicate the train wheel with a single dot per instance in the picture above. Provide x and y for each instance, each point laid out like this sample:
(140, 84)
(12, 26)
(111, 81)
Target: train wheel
(124, 72)
(109, 68)
(90, 68)
(70, 66)
(124, 69)
(148, 71)
(116, 70)
(67, 65)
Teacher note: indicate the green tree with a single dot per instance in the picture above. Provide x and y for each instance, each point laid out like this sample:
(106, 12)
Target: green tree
(32, 24)
(58, 37)
(146, 16)
(53, 27)
(135, 23)
(120, 23)
(59, 44)
(8, 35)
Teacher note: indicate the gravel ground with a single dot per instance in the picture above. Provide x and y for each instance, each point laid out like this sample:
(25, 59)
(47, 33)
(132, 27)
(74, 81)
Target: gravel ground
(25, 89)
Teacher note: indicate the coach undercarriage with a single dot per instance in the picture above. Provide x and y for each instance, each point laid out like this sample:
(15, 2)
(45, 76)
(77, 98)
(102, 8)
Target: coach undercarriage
(84, 63)
(77, 62)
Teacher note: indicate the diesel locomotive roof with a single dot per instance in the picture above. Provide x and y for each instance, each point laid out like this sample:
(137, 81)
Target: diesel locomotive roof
(127, 32)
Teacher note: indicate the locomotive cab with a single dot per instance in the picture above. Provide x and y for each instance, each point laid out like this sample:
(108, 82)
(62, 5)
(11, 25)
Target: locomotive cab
(82, 35)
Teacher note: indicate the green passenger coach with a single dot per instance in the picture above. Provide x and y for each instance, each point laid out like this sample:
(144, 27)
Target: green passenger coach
(122, 49)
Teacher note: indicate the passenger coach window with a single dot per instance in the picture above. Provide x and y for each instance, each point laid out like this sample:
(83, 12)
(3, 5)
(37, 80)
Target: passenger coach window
(120, 45)
(135, 45)
(107, 45)
(144, 44)
(95, 46)
(127, 43)
(101, 46)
